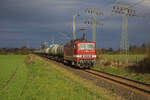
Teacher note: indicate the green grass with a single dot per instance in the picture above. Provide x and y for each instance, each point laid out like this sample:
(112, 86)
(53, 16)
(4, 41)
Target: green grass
(130, 58)
(36, 80)
(8, 66)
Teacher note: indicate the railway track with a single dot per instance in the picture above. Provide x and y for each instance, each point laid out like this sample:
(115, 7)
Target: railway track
(138, 86)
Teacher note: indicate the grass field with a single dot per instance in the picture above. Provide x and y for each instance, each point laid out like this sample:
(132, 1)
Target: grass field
(130, 58)
(12, 76)
(36, 80)
(8, 68)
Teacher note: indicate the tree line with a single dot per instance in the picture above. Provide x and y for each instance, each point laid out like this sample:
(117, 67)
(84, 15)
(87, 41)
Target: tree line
(133, 49)
(23, 50)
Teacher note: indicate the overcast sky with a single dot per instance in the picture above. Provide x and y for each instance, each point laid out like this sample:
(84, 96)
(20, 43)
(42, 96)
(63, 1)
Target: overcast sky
(28, 22)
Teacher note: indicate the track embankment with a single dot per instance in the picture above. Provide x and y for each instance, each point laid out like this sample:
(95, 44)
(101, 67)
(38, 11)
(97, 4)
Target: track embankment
(121, 80)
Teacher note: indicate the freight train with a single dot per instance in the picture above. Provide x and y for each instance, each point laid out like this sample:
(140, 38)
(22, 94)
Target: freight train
(80, 53)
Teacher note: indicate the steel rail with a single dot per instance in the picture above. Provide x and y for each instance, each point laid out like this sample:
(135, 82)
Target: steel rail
(121, 80)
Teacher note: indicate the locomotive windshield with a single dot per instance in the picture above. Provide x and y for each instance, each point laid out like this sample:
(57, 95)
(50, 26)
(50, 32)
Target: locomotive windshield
(86, 46)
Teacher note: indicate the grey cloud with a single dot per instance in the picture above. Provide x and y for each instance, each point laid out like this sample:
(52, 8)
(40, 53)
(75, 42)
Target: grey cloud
(39, 20)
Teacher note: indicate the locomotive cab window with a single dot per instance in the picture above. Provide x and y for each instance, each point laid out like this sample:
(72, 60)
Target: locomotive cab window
(86, 46)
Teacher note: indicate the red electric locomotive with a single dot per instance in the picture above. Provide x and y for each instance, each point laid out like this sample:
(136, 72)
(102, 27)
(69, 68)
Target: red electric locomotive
(81, 53)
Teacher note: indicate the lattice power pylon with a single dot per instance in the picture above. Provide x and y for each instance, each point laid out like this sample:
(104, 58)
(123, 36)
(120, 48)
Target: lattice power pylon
(94, 12)
(124, 44)
(125, 11)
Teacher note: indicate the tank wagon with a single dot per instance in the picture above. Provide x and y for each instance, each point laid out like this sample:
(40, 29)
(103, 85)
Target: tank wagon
(77, 52)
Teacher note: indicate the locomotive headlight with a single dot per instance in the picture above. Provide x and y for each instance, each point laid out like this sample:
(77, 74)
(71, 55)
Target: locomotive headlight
(79, 56)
